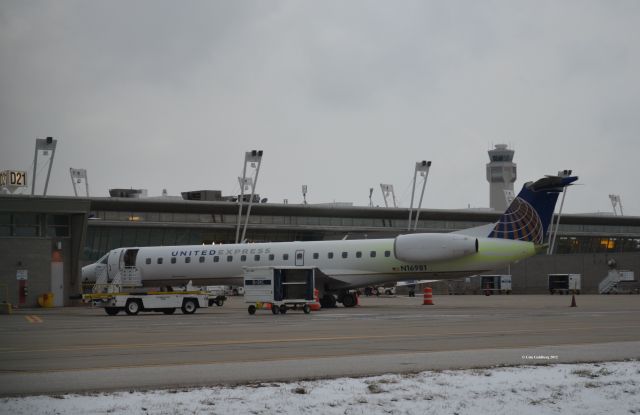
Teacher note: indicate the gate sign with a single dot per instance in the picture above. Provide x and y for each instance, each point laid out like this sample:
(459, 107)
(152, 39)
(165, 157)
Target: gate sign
(13, 178)
(22, 274)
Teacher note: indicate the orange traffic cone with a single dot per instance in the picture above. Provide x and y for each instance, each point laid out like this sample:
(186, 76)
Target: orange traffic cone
(315, 306)
(428, 296)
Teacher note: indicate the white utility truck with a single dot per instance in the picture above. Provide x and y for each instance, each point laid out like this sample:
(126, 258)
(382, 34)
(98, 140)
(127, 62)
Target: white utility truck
(125, 293)
(281, 288)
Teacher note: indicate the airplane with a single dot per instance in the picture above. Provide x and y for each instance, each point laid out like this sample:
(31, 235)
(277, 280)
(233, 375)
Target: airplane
(344, 265)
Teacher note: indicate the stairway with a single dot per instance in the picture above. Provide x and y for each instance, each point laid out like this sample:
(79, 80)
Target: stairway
(610, 283)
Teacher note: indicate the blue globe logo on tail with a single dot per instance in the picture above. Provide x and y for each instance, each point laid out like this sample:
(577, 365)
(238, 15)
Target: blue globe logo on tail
(521, 222)
(527, 218)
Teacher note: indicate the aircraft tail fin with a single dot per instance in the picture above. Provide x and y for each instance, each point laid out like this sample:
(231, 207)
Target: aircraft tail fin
(528, 217)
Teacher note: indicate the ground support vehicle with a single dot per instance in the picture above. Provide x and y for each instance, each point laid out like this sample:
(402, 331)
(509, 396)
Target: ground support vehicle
(134, 302)
(564, 283)
(618, 281)
(124, 293)
(382, 290)
(495, 284)
(280, 289)
(217, 294)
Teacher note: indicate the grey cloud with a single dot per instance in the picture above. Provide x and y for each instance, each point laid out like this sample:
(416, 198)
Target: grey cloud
(340, 95)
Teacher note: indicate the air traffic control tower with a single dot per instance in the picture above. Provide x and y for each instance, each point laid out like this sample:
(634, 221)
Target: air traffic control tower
(501, 173)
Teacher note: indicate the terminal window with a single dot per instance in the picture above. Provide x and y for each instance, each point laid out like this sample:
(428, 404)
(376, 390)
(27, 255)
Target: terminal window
(26, 224)
(5, 224)
(58, 225)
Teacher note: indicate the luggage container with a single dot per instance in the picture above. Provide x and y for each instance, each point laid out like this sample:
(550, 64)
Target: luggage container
(564, 283)
(495, 284)
(279, 288)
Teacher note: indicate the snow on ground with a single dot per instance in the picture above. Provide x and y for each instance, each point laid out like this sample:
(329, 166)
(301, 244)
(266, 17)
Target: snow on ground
(596, 388)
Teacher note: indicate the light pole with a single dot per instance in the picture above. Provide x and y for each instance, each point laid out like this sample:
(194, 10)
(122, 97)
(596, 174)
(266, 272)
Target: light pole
(422, 169)
(45, 145)
(252, 158)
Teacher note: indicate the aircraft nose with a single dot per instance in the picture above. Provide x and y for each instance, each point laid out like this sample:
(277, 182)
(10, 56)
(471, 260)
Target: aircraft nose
(89, 272)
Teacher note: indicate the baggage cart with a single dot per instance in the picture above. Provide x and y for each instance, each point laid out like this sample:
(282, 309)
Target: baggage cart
(279, 288)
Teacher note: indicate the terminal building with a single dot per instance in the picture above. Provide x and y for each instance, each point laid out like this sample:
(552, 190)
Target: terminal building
(45, 240)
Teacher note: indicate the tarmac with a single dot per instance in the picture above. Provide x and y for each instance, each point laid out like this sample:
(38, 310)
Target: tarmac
(81, 349)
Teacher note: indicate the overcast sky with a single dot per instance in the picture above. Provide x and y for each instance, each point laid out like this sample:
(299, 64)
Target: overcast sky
(340, 95)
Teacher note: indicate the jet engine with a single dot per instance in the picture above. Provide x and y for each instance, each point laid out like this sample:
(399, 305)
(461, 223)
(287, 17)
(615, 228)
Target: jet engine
(429, 247)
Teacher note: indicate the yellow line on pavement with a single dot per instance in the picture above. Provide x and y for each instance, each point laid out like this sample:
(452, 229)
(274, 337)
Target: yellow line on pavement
(33, 319)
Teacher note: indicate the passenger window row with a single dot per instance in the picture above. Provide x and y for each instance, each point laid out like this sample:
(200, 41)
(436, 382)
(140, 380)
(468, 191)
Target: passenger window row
(272, 257)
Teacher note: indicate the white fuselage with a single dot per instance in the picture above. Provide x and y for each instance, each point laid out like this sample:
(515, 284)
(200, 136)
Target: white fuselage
(348, 263)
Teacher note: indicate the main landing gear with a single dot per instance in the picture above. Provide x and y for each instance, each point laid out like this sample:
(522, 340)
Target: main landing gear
(346, 298)
(328, 301)
(350, 300)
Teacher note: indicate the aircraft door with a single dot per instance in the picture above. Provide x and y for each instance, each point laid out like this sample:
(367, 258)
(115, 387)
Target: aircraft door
(113, 262)
(128, 260)
(300, 258)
